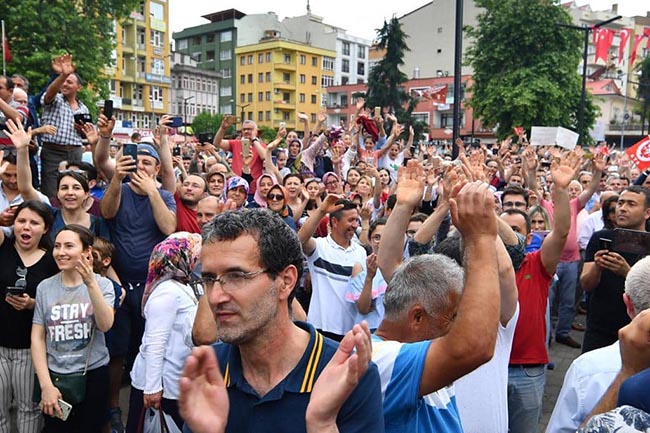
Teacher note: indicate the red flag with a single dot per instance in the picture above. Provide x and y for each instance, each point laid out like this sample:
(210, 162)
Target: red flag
(625, 37)
(519, 130)
(640, 153)
(439, 94)
(605, 39)
(5, 50)
(637, 41)
(646, 33)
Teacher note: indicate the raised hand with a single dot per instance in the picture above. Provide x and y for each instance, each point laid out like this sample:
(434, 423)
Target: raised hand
(203, 400)
(598, 163)
(472, 212)
(329, 203)
(410, 183)
(84, 267)
(124, 167)
(105, 125)
(360, 103)
(19, 137)
(564, 171)
(302, 117)
(91, 133)
(67, 67)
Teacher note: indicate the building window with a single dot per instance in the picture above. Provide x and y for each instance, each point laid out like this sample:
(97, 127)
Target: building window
(286, 77)
(314, 80)
(346, 48)
(302, 98)
(361, 68)
(250, 78)
(250, 59)
(326, 81)
(260, 77)
(156, 38)
(303, 79)
(210, 38)
(260, 116)
(313, 117)
(242, 60)
(268, 116)
(286, 58)
(225, 55)
(267, 96)
(260, 96)
(285, 116)
(158, 66)
(156, 93)
(226, 36)
(314, 61)
(242, 98)
(182, 43)
(226, 73)
(361, 51)
(250, 97)
(196, 40)
(286, 97)
(268, 77)
(303, 59)
(439, 29)
(328, 64)
(344, 81)
(313, 99)
(209, 56)
(242, 79)
(225, 91)
(268, 57)
(345, 65)
(260, 58)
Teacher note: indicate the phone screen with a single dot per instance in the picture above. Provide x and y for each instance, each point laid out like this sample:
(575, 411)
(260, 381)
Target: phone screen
(245, 147)
(108, 108)
(131, 149)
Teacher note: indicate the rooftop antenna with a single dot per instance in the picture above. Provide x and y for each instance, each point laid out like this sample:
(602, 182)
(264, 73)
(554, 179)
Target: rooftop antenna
(308, 8)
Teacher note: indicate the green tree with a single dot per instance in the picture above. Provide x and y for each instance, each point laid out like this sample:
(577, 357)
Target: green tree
(526, 67)
(385, 81)
(207, 122)
(38, 31)
(267, 134)
(643, 90)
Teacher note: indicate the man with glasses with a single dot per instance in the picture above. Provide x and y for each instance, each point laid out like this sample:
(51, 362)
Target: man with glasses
(266, 365)
(514, 197)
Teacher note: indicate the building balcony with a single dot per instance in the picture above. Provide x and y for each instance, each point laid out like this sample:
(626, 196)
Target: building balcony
(284, 105)
(285, 66)
(285, 85)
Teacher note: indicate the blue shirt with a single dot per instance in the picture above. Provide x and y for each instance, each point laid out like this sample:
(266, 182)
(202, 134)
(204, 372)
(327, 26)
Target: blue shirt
(400, 368)
(283, 408)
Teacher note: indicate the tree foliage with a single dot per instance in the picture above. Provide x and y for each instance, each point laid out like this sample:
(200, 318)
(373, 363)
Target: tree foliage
(207, 122)
(39, 30)
(386, 80)
(526, 67)
(643, 89)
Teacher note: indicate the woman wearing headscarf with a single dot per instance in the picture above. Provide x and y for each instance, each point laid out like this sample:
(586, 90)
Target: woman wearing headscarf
(236, 190)
(169, 306)
(264, 184)
(277, 199)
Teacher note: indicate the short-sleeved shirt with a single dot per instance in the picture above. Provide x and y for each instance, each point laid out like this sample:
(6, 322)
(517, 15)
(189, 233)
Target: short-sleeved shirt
(134, 233)
(533, 282)
(98, 226)
(282, 410)
(257, 163)
(330, 267)
(185, 217)
(17, 325)
(5, 141)
(60, 114)
(400, 368)
(379, 285)
(67, 314)
(607, 312)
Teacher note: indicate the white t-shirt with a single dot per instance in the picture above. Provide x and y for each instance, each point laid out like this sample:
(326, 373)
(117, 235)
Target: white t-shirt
(482, 395)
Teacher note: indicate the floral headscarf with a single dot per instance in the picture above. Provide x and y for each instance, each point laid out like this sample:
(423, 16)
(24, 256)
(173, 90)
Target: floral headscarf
(234, 182)
(175, 258)
(259, 199)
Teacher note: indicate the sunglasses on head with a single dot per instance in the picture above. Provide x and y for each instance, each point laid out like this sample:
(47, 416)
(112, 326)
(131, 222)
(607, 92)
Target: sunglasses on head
(79, 172)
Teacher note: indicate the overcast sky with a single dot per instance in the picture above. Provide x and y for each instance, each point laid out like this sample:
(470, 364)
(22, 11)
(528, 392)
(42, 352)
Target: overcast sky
(358, 18)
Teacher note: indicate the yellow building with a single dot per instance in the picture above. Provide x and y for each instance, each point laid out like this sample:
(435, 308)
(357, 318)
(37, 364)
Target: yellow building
(141, 79)
(278, 78)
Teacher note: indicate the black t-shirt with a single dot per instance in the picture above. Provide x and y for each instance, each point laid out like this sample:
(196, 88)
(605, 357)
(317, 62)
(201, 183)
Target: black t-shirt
(17, 325)
(607, 312)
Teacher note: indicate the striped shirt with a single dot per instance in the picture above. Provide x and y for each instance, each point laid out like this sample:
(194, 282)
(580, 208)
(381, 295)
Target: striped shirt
(60, 114)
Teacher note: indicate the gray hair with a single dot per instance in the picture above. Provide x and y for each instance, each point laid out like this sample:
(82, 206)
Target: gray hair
(637, 285)
(21, 77)
(427, 280)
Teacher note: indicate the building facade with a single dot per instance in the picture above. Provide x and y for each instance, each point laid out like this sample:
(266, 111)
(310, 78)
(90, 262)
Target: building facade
(141, 76)
(277, 78)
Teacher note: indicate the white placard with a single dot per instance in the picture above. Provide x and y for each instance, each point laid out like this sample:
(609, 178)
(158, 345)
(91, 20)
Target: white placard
(553, 136)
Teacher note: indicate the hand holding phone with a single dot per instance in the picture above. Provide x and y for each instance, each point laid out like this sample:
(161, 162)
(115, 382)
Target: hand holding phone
(66, 408)
(131, 149)
(108, 108)
(245, 148)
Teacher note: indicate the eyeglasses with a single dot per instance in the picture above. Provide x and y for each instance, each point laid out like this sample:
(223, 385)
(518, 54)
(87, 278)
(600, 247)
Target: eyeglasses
(230, 281)
(332, 182)
(79, 172)
(275, 197)
(516, 204)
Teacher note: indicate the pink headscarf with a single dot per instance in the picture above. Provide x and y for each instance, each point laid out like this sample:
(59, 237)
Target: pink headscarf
(258, 197)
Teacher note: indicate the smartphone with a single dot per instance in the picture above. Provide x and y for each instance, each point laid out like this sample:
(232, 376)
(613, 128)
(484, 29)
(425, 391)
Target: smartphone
(283, 125)
(605, 244)
(176, 151)
(177, 122)
(495, 151)
(108, 108)
(66, 408)
(205, 137)
(542, 233)
(231, 119)
(245, 147)
(631, 242)
(377, 111)
(82, 118)
(15, 291)
(131, 149)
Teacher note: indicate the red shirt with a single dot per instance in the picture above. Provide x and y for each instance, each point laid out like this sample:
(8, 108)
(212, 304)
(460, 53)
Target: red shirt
(257, 164)
(185, 217)
(533, 282)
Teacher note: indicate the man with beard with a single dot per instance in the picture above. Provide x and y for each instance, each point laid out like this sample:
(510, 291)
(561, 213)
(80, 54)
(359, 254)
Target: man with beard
(604, 271)
(330, 260)
(187, 197)
(268, 367)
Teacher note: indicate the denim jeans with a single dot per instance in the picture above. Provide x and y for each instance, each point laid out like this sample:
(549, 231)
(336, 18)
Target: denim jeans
(525, 393)
(565, 290)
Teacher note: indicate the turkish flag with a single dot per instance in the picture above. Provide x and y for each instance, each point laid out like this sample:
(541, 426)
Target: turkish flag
(5, 50)
(624, 35)
(640, 153)
(519, 130)
(439, 94)
(646, 33)
(604, 43)
(637, 41)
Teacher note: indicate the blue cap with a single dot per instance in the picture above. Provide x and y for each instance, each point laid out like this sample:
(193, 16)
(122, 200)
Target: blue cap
(148, 150)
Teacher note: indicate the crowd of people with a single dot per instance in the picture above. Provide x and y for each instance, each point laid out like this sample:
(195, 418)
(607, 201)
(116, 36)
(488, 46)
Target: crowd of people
(339, 278)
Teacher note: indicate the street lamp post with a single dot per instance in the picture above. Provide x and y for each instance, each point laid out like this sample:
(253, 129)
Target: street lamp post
(583, 95)
(185, 113)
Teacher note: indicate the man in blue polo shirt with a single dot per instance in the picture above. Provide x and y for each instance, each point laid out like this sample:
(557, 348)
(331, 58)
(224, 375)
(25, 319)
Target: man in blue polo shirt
(251, 262)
